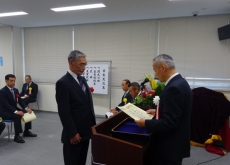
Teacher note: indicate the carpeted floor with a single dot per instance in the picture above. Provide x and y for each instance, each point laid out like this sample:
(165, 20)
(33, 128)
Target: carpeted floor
(46, 149)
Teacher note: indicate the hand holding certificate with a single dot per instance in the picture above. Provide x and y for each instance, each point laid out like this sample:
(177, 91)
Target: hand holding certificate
(135, 112)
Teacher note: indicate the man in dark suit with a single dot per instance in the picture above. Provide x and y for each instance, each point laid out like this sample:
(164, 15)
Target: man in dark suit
(2, 127)
(29, 90)
(125, 87)
(171, 131)
(9, 97)
(75, 108)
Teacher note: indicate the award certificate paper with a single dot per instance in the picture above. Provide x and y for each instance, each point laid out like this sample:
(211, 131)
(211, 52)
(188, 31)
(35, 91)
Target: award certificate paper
(28, 117)
(135, 112)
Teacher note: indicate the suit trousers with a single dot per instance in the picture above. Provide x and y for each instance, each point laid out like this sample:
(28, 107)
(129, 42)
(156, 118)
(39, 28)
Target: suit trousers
(75, 154)
(29, 100)
(2, 127)
(17, 122)
(167, 162)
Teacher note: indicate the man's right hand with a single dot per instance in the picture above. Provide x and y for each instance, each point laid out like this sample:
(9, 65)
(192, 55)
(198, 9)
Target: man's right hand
(151, 112)
(20, 113)
(75, 139)
(114, 111)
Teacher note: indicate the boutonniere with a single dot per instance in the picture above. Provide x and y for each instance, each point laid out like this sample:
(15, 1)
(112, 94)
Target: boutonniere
(91, 89)
(17, 96)
(125, 100)
(156, 100)
(30, 90)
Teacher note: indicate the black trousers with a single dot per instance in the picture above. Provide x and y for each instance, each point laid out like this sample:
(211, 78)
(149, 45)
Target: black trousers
(29, 100)
(76, 154)
(2, 127)
(167, 162)
(17, 122)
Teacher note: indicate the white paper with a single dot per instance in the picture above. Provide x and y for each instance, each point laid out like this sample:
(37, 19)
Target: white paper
(109, 114)
(135, 112)
(28, 117)
(97, 76)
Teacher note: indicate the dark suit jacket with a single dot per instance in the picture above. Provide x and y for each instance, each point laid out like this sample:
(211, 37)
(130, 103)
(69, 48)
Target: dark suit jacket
(75, 108)
(34, 90)
(7, 102)
(129, 100)
(171, 132)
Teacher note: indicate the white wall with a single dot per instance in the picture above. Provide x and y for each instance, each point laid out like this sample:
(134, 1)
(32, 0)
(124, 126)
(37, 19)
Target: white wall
(6, 53)
(11, 51)
(18, 56)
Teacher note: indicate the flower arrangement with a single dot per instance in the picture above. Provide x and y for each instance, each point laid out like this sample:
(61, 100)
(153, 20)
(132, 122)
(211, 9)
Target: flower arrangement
(150, 94)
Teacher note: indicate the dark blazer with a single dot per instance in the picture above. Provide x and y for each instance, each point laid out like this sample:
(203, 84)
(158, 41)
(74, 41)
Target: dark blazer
(75, 108)
(7, 102)
(129, 100)
(171, 132)
(34, 90)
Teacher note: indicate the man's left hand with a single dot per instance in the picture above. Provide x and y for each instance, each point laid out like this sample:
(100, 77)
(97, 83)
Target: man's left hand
(141, 122)
(28, 110)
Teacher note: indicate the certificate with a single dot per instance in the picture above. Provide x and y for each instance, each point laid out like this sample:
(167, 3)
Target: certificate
(28, 117)
(135, 112)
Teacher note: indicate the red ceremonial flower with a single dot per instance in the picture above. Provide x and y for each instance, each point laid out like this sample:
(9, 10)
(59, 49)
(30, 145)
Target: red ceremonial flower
(144, 94)
(151, 93)
(17, 95)
(91, 89)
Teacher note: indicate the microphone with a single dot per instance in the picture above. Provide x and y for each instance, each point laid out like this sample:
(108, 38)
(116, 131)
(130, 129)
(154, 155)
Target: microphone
(145, 81)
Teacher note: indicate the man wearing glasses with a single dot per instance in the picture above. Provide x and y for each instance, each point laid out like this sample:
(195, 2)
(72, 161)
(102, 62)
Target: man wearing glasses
(75, 108)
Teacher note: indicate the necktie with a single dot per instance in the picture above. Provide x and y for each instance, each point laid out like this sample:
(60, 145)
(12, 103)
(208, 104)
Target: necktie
(80, 81)
(12, 91)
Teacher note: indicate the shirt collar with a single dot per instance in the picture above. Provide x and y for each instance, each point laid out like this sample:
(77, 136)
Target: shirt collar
(30, 83)
(138, 95)
(9, 87)
(72, 74)
(170, 78)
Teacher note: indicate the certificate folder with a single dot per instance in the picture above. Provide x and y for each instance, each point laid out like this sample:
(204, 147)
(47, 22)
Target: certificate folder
(129, 130)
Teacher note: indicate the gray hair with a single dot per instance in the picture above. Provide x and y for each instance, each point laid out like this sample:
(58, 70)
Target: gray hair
(166, 59)
(75, 54)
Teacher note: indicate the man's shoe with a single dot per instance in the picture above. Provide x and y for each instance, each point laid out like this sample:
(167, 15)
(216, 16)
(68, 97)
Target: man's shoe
(29, 134)
(18, 139)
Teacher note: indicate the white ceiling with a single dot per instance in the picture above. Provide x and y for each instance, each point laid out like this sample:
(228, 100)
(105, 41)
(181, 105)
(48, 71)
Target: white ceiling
(115, 10)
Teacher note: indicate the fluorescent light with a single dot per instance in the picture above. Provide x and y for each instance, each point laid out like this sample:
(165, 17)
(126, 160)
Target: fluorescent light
(99, 5)
(12, 14)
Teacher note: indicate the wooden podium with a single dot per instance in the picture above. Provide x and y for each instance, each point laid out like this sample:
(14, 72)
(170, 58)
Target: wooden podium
(107, 150)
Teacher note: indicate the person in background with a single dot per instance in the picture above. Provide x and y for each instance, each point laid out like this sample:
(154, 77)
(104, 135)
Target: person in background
(126, 98)
(171, 128)
(134, 89)
(29, 90)
(9, 97)
(75, 109)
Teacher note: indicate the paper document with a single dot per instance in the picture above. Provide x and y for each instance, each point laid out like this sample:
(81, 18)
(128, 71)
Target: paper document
(28, 117)
(135, 112)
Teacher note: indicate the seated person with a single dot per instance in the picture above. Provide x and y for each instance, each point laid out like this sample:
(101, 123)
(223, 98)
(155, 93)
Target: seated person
(134, 90)
(29, 90)
(2, 127)
(125, 86)
(9, 97)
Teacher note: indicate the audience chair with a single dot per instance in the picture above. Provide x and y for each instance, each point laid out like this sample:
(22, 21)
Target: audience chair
(9, 124)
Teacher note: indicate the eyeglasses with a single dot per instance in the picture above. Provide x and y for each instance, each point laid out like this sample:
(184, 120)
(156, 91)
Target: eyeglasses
(82, 64)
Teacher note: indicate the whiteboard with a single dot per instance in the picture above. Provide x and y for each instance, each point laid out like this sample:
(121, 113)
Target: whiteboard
(96, 76)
